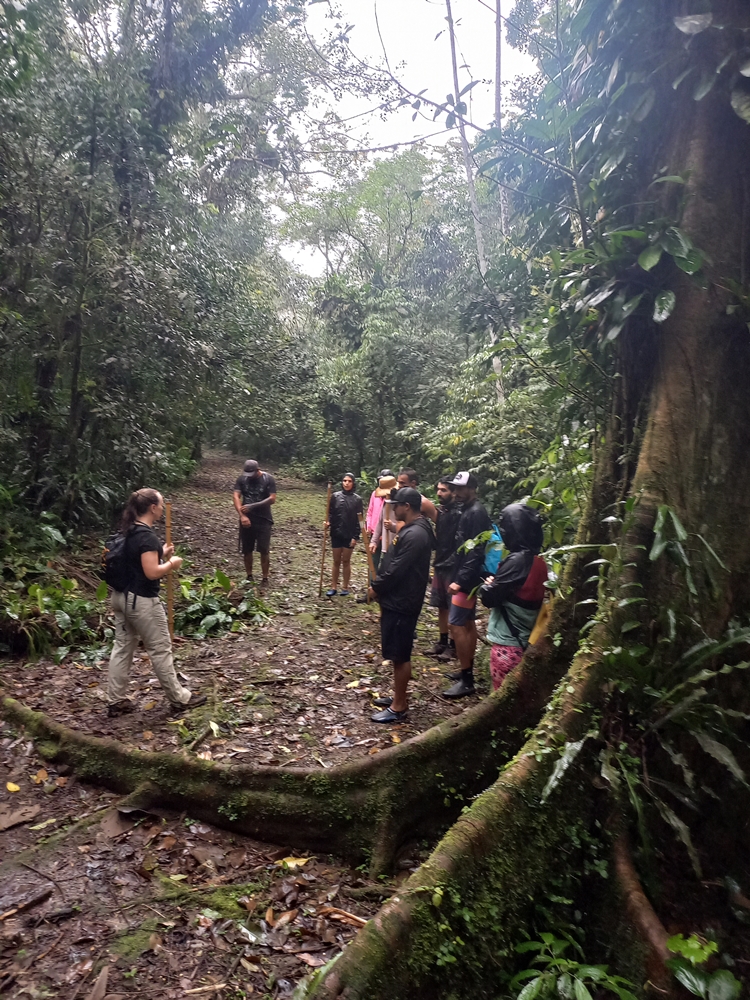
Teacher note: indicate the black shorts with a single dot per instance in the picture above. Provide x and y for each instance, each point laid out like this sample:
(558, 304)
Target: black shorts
(440, 596)
(397, 635)
(257, 536)
(340, 541)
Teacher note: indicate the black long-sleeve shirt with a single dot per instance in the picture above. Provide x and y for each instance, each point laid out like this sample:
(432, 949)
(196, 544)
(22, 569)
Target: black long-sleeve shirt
(467, 569)
(405, 569)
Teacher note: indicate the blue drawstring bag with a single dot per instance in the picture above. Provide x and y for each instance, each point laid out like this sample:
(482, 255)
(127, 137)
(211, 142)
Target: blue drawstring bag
(493, 553)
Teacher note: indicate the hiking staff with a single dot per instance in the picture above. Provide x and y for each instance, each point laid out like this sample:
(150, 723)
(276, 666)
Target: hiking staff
(370, 561)
(170, 577)
(323, 553)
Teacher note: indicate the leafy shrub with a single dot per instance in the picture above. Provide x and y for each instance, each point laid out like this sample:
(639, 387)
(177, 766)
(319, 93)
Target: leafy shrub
(212, 606)
(48, 614)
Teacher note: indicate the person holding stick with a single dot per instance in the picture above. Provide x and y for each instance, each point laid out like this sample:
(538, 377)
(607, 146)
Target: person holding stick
(138, 611)
(254, 495)
(399, 587)
(343, 519)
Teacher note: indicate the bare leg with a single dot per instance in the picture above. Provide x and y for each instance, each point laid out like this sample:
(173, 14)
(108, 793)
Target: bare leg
(336, 568)
(265, 564)
(401, 678)
(465, 638)
(346, 563)
(248, 560)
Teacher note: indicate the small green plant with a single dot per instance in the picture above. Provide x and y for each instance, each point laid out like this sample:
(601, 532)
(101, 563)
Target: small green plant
(554, 975)
(51, 614)
(693, 953)
(211, 605)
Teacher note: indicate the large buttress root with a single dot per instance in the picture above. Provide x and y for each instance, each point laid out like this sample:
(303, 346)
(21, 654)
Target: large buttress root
(364, 808)
(449, 927)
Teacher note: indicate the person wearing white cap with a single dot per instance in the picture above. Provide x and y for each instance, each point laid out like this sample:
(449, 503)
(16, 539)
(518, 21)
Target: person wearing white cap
(466, 578)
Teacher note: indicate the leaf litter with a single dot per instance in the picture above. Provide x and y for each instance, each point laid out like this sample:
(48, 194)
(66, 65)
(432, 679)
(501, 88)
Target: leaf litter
(144, 902)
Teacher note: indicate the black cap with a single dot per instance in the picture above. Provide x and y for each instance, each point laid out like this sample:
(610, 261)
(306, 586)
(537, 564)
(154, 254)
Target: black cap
(407, 494)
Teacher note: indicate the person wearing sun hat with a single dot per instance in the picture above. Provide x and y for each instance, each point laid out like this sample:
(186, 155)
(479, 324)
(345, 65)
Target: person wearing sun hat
(465, 580)
(378, 497)
(400, 587)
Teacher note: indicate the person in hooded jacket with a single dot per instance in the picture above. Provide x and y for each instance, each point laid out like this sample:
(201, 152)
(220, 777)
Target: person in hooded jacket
(343, 520)
(516, 592)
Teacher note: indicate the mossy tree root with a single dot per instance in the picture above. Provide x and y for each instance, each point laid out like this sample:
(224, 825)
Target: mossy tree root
(372, 807)
(447, 932)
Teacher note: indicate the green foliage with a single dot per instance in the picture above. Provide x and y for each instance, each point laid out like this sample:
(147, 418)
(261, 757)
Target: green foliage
(693, 953)
(50, 614)
(210, 605)
(555, 975)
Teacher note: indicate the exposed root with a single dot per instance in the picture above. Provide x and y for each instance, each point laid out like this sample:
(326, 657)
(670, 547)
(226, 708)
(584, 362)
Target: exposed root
(367, 807)
(456, 918)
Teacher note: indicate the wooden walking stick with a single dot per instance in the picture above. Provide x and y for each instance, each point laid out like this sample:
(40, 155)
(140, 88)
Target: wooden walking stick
(170, 576)
(323, 553)
(370, 560)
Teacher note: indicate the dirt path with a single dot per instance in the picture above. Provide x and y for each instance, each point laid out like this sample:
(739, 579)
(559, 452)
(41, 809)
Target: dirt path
(296, 690)
(167, 904)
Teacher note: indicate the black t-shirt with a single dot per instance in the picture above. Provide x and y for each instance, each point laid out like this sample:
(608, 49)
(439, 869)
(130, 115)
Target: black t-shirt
(255, 489)
(142, 539)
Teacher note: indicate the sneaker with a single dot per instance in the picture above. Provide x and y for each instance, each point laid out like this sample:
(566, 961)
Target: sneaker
(124, 707)
(437, 650)
(447, 656)
(463, 687)
(388, 715)
(384, 702)
(264, 582)
(343, 593)
(331, 592)
(362, 599)
(195, 701)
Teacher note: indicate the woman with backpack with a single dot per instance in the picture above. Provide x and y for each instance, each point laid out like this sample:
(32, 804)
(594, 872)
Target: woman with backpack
(139, 613)
(516, 592)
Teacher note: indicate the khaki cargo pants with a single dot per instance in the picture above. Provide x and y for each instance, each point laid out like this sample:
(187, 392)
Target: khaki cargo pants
(146, 621)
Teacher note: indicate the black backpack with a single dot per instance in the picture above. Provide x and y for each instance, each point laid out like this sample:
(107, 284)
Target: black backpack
(115, 568)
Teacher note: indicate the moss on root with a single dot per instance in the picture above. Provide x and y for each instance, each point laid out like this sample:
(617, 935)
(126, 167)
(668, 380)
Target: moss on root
(450, 930)
(365, 808)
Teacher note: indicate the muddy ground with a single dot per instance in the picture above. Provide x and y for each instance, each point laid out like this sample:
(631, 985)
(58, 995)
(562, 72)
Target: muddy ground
(166, 905)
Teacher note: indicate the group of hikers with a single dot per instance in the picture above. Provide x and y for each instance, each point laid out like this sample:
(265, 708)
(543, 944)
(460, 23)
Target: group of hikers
(403, 530)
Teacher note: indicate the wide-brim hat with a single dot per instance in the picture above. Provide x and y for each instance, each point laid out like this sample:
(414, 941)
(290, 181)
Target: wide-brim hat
(385, 485)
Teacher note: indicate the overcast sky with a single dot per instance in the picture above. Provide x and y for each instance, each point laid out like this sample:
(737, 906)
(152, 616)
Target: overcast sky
(420, 60)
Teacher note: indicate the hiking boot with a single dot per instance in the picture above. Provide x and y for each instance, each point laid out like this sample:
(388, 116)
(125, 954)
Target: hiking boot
(264, 582)
(331, 592)
(388, 715)
(124, 707)
(463, 687)
(437, 650)
(195, 701)
(455, 675)
(384, 702)
(447, 656)
(362, 599)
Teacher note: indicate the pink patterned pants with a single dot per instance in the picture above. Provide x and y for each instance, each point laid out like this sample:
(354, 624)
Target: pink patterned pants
(502, 660)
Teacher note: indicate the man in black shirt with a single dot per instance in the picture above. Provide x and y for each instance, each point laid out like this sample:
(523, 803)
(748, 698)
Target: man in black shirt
(448, 514)
(399, 587)
(254, 495)
(465, 580)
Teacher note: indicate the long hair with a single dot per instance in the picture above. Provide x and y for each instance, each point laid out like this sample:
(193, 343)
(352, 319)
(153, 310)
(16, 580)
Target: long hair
(138, 504)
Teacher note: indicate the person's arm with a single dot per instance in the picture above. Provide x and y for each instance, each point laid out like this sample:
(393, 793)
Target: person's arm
(153, 569)
(268, 502)
(429, 509)
(244, 519)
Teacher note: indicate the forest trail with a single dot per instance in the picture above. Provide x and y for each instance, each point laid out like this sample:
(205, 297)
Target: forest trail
(154, 897)
(295, 690)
